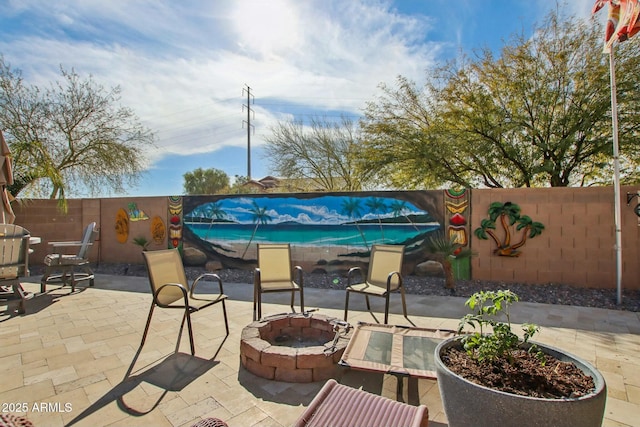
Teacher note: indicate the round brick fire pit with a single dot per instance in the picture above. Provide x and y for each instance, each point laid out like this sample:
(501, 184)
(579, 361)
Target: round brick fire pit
(293, 347)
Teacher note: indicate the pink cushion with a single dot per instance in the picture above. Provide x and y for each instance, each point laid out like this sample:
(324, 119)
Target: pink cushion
(338, 405)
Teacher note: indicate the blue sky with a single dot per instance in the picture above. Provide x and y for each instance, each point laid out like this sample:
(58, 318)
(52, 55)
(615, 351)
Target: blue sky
(183, 65)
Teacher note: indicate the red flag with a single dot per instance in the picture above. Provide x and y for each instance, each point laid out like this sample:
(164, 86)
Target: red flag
(613, 20)
(622, 20)
(630, 23)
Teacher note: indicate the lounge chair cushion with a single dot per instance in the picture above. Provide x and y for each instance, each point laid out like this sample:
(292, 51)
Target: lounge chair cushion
(338, 405)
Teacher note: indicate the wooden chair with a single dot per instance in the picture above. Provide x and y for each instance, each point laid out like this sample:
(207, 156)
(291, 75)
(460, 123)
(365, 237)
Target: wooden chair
(170, 289)
(383, 277)
(14, 262)
(70, 268)
(274, 274)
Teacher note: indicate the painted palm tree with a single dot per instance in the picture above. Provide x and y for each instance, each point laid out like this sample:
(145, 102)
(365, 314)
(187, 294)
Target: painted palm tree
(197, 212)
(351, 207)
(377, 206)
(259, 216)
(213, 211)
(399, 208)
(509, 215)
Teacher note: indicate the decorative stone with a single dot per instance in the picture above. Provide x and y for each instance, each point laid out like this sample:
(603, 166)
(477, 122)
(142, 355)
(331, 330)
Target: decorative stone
(429, 268)
(213, 266)
(279, 356)
(193, 257)
(262, 371)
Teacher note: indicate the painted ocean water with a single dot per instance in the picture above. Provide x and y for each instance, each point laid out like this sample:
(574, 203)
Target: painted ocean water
(311, 235)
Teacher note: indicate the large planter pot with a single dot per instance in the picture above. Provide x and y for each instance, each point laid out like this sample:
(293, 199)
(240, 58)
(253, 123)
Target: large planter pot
(469, 404)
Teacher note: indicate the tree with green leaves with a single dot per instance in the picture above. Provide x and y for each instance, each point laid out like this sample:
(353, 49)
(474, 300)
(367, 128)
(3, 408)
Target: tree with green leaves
(205, 181)
(323, 154)
(70, 138)
(539, 114)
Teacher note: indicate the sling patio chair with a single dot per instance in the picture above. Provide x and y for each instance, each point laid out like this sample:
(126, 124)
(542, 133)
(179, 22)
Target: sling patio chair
(70, 268)
(14, 263)
(274, 274)
(383, 277)
(170, 289)
(338, 405)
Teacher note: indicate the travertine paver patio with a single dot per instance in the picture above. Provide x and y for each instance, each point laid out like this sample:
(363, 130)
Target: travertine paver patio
(65, 360)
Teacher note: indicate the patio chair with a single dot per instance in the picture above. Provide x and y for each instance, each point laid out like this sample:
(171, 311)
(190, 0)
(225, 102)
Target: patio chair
(70, 268)
(338, 405)
(14, 262)
(383, 277)
(170, 289)
(274, 274)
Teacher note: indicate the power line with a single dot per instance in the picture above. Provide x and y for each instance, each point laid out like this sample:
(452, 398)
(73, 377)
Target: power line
(250, 97)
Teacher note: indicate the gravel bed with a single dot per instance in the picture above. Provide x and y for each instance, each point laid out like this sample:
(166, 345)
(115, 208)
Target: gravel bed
(548, 293)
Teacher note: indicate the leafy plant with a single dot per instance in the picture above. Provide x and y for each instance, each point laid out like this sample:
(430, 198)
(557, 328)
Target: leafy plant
(141, 241)
(447, 250)
(501, 341)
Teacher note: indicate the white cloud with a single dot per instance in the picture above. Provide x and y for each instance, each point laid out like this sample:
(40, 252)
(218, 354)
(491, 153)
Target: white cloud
(182, 65)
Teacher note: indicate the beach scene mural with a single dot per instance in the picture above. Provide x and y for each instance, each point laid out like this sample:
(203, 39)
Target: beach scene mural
(328, 225)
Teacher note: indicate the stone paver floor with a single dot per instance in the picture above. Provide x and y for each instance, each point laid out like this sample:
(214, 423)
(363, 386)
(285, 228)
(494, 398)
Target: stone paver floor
(72, 358)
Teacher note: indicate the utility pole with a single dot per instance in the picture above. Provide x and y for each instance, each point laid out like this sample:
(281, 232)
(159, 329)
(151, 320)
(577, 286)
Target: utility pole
(250, 100)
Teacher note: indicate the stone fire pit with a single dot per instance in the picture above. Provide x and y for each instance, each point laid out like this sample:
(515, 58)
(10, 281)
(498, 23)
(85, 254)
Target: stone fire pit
(293, 347)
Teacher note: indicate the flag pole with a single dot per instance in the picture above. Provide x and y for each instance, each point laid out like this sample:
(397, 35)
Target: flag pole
(616, 177)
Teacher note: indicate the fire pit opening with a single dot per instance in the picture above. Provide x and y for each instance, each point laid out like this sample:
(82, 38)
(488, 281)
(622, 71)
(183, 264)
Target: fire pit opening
(294, 347)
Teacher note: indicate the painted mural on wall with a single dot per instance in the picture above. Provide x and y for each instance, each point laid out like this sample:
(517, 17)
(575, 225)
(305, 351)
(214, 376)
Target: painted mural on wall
(456, 207)
(136, 214)
(513, 226)
(158, 230)
(175, 222)
(331, 226)
(122, 226)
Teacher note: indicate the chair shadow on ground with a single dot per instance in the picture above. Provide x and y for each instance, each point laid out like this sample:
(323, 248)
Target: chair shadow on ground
(173, 373)
(35, 302)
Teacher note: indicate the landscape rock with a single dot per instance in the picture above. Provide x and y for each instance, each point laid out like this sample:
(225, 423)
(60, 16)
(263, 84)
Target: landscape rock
(429, 268)
(194, 257)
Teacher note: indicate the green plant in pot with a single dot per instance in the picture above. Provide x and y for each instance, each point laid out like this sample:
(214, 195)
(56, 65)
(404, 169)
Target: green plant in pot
(447, 250)
(493, 377)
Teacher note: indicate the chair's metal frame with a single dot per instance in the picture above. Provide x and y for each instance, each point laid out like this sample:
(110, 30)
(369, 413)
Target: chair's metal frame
(186, 294)
(62, 268)
(378, 250)
(296, 285)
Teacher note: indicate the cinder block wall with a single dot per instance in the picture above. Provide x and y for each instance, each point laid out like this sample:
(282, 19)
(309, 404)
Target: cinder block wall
(577, 246)
(44, 219)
